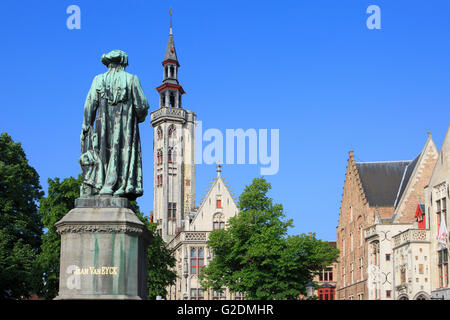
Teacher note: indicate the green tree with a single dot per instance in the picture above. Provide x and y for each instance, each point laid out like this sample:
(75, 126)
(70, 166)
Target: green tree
(20, 223)
(254, 255)
(160, 263)
(60, 200)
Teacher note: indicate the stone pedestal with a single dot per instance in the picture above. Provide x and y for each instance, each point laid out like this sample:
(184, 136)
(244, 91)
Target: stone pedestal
(103, 251)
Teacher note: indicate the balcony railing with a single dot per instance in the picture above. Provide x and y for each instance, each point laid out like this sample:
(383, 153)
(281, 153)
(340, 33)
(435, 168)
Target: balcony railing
(194, 236)
(411, 235)
(166, 112)
(370, 231)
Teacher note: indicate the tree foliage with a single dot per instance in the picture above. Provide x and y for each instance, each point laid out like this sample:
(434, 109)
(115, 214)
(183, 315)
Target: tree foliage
(160, 263)
(20, 223)
(254, 255)
(59, 201)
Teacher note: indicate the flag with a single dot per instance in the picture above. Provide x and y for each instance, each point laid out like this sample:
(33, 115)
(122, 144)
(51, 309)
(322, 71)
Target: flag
(442, 237)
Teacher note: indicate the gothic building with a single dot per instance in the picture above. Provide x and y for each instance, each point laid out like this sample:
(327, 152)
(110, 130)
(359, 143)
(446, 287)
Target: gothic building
(183, 226)
(379, 201)
(437, 195)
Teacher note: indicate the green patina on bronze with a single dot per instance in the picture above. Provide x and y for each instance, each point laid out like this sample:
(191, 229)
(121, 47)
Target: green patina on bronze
(111, 157)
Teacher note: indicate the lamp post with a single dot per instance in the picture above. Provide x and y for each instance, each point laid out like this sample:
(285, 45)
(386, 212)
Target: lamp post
(309, 290)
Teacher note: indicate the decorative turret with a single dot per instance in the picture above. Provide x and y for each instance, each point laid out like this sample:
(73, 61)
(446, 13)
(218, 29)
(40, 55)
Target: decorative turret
(170, 91)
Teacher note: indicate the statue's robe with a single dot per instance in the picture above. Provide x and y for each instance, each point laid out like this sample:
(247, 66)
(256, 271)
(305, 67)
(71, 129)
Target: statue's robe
(111, 148)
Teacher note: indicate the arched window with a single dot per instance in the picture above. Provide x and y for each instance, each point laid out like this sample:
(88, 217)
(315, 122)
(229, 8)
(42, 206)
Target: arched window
(174, 156)
(169, 156)
(172, 132)
(159, 133)
(172, 100)
(218, 221)
(159, 157)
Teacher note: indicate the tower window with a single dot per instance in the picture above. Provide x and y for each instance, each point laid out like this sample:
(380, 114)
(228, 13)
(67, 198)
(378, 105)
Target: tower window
(188, 182)
(172, 132)
(172, 156)
(159, 157)
(159, 180)
(172, 210)
(159, 133)
(172, 100)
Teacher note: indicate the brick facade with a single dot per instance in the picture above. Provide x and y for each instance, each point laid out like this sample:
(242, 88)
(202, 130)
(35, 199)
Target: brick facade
(379, 201)
(355, 215)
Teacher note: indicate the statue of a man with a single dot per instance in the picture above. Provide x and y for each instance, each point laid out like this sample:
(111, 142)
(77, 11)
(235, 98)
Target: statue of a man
(111, 158)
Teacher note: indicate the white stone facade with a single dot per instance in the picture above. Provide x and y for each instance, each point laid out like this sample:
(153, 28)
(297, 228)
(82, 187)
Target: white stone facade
(411, 264)
(380, 255)
(190, 245)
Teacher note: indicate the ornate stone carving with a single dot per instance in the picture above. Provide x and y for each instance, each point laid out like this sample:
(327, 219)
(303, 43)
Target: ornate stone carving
(195, 236)
(99, 228)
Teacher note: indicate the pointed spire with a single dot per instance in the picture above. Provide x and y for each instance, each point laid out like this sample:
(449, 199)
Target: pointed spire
(219, 169)
(171, 54)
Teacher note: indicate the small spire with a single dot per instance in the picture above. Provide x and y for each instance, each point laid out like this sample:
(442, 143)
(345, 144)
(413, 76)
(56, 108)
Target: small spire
(170, 51)
(219, 168)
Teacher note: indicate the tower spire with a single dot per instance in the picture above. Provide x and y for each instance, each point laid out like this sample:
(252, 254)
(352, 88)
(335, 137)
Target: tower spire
(170, 91)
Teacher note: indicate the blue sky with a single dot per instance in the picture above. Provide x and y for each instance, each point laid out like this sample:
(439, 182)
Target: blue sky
(310, 68)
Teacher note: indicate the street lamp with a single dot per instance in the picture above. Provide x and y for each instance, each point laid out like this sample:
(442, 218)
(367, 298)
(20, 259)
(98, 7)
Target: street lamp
(310, 290)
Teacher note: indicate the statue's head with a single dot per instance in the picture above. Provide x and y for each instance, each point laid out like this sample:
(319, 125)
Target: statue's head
(116, 57)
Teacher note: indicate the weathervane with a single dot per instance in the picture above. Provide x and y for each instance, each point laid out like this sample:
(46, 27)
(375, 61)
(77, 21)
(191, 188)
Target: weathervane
(170, 13)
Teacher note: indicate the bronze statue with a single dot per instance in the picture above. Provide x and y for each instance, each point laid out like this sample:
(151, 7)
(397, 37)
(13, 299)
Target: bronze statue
(111, 158)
